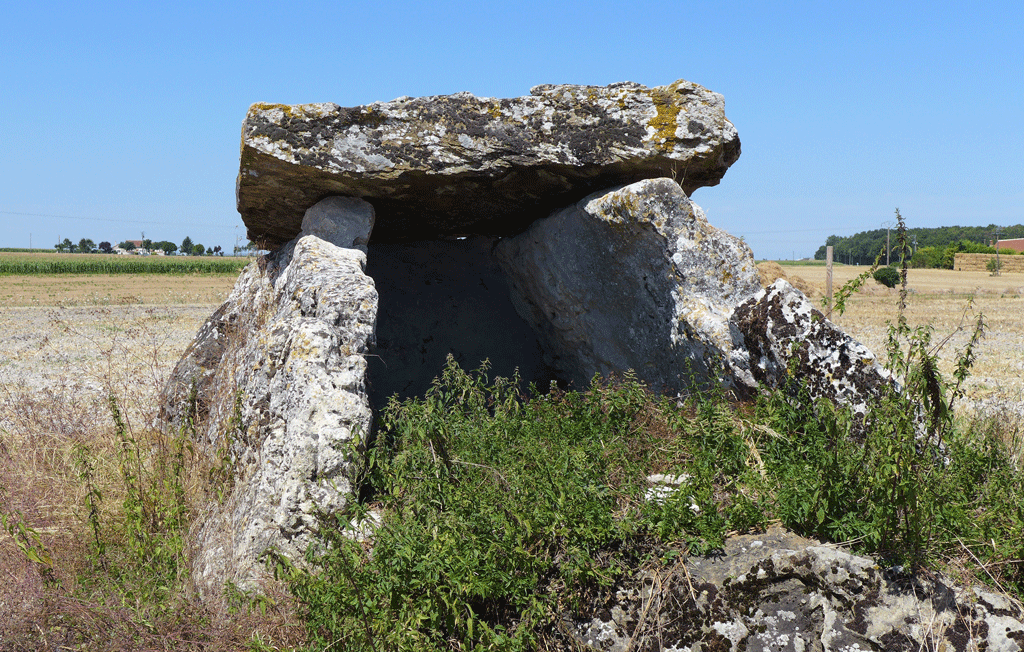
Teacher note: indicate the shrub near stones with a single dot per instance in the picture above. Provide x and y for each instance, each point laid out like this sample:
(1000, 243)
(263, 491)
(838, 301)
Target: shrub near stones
(887, 276)
(512, 523)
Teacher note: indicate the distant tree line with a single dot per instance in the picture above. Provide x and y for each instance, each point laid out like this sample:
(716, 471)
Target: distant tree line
(187, 247)
(934, 247)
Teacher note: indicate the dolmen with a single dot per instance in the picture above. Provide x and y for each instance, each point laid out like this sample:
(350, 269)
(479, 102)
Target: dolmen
(552, 234)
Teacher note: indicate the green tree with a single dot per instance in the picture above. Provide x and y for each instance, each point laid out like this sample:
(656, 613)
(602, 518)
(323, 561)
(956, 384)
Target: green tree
(167, 247)
(70, 246)
(59, 247)
(198, 250)
(86, 246)
(127, 245)
(186, 246)
(147, 244)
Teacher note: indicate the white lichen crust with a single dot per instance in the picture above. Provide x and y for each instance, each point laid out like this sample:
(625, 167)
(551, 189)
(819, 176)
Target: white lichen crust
(787, 338)
(778, 591)
(279, 372)
(511, 160)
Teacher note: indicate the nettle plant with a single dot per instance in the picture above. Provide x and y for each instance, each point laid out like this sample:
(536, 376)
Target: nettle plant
(503, 516)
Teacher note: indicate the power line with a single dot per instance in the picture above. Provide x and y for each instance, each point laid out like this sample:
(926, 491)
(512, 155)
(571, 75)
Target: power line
(828, 230)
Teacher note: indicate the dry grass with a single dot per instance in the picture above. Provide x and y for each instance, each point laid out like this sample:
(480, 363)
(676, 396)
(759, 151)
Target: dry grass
(96, 335)
(948, 301)
(114, 289)
(920, 281)
(58, 366)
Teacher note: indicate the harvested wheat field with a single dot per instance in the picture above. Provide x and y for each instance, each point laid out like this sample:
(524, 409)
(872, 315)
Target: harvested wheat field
(949, 302)
(87, 330)
(114, 289)
(85, 335)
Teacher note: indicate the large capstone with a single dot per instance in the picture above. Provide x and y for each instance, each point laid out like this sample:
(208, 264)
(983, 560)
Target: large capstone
(460, 164)
(634, 278)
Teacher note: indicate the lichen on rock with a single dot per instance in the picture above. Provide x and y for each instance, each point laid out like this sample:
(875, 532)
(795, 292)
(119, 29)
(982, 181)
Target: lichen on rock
(633, 278)
(459, 164)
(786, 337)
(780, 591)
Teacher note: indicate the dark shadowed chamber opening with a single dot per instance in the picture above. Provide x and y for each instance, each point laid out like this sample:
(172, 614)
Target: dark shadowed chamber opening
(439, 297)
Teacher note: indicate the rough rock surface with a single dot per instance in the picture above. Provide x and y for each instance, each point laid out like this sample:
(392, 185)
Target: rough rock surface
(460, 164)
(441, 297)
(342, 221)
(279, 372)
(633, 278)
(778, 591)
(784, 334)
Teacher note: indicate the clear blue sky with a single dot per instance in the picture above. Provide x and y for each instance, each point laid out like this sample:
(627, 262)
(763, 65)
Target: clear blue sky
(121, 118)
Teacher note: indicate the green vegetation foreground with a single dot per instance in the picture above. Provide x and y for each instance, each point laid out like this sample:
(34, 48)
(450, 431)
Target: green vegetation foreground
(501, 514)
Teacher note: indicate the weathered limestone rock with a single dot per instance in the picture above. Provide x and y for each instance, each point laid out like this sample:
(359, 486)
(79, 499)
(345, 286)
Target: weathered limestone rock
(784, 334)
(460, 164)
(342, 221)
(279, 372)
(633, 278)
(629, 277)
(778, 591)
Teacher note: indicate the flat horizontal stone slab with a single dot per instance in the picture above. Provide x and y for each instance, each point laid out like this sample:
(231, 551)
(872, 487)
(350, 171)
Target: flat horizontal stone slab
(463, 165)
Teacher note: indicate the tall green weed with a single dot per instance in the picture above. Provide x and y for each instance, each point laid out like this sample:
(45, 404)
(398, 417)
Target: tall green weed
(502, 516)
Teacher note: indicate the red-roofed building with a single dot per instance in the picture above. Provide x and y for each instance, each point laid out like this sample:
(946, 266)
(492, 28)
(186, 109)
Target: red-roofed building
(1017, 244)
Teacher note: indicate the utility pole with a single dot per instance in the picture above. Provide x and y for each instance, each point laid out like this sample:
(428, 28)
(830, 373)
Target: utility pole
(828, 280)
(999, 230)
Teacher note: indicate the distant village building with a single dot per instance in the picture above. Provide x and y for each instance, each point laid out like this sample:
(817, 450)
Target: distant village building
(138, 250)
(1017, 244)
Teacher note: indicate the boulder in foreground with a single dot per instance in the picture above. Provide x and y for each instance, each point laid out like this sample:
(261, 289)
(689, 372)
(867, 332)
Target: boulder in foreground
(779, 591)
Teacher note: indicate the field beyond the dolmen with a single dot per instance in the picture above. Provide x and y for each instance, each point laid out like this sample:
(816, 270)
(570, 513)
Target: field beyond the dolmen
(71, 341)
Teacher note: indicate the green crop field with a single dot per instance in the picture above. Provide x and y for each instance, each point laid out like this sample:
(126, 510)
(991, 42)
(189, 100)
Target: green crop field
(43, 263)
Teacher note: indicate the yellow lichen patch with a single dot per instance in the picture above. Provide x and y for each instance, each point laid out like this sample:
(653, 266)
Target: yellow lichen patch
(665, 122)
(266, 106)
(617, 207)
(298, 111)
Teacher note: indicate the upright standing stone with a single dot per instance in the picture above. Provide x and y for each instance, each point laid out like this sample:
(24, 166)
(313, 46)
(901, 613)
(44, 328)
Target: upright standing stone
(280, 379)
(633, 278)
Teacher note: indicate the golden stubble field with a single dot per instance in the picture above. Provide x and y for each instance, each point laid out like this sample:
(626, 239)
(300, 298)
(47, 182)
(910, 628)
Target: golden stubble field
(70, 322)
(114, 289)
(80, 331)
(949, 302)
